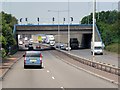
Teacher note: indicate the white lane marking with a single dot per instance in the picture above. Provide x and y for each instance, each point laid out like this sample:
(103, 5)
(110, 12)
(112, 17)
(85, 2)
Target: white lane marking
(62, 88)
(102, 77)
(53, 77)
(48, 71)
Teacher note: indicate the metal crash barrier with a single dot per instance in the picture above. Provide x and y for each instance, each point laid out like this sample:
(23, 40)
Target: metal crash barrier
(98, 65)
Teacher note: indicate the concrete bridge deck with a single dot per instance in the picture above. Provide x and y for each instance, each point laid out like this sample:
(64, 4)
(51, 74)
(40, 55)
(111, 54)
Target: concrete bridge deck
(81, 31)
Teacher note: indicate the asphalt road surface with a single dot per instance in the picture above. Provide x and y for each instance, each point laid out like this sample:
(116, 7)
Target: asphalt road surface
(86, 53)
(55, 74)
(105, 58)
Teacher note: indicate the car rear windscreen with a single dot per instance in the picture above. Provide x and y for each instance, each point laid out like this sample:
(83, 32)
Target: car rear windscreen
(33, 55)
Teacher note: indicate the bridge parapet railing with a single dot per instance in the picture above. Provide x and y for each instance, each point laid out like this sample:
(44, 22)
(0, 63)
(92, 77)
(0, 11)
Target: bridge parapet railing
(51, 27)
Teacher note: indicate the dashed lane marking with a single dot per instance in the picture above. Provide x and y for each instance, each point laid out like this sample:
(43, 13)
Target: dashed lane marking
(53, 77)
(62, 88)
(48, 71)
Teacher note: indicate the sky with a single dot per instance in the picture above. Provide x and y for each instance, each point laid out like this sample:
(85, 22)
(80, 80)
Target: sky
(32, 9)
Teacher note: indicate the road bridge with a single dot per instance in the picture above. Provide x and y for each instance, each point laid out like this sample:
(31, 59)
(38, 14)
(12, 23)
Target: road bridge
(81, 31)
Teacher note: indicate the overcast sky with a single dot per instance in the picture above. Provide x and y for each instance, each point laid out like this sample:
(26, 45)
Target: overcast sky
(33, 9)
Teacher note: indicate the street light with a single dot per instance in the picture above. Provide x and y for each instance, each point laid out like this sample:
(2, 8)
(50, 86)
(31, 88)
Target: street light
(63, 20)
(58, 12)
(26, 19)
(21, 20)
(68, 27)
(38, 20)
(71, 19)
(93, 42)
(53, 19)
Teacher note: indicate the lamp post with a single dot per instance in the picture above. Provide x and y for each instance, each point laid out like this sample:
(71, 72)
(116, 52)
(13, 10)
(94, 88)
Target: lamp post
(38, 20)
(68, 27)
(63, 20)
(53, 19)
(71, 19)
(93, 41)
(21, 20)
(58, 12)
(26, 19)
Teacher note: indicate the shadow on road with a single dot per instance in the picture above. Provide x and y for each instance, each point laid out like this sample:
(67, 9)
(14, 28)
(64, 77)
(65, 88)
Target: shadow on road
(34, 67)
(44, 49)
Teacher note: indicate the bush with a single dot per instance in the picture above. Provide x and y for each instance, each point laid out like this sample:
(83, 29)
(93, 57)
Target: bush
(113, 47)
(3, 53)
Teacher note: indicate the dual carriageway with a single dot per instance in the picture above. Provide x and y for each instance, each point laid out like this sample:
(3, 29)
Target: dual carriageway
(61, 71)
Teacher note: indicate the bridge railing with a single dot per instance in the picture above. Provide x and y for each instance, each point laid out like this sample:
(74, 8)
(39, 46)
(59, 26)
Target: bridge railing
(99, 35)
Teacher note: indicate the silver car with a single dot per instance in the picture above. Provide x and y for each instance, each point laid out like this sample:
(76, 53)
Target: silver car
(32, 59)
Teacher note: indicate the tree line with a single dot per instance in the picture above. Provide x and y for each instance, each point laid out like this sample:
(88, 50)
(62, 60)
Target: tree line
(6, 38)
(108, 23)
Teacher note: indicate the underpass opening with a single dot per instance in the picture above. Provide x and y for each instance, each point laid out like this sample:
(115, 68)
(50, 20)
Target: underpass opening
(86, 41)
(35, 42)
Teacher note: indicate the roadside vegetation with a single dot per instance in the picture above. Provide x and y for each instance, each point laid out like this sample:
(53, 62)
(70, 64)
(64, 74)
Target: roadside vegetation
(7, 40)
(108, 23)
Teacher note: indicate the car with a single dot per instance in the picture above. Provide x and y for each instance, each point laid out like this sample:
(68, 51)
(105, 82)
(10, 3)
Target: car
(20, 43)
(26, 45)
(74, 43)
(31, 40)
(68, 48)
(59, 45)
(30, 46)
(38, 46)
(26, 38)
(32, 59)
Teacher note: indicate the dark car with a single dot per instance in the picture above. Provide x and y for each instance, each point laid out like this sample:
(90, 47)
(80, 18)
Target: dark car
(32, 59)
(38, 46)
(26, 45)
(30, 46)
(74, 44)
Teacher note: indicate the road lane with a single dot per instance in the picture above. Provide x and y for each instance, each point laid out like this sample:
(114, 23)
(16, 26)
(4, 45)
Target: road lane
(55, 74)
(18, 77)
(106, 58)
(70, 77)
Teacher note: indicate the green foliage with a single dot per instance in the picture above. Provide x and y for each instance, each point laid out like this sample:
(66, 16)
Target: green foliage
(7, 22)
(113, 48)
(3, 53)
(3, 41)
(109, 26)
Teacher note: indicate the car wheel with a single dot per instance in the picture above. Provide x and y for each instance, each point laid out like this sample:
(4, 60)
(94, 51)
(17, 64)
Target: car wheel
(91, 53)
(40, 66)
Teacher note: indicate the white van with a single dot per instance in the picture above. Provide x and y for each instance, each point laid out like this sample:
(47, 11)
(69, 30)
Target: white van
(98, 48)
(50, 40)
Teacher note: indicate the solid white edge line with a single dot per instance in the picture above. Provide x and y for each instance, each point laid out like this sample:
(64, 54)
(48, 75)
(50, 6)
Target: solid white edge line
(112, 81)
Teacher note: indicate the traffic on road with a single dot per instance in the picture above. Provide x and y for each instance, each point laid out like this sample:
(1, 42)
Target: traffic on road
(75, 50)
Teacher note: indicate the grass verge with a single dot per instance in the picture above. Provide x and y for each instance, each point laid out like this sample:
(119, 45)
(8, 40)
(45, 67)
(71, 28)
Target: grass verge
(115, 47)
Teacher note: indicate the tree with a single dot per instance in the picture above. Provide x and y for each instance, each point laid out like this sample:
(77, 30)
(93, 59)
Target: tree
(108, 25)
(8, 22)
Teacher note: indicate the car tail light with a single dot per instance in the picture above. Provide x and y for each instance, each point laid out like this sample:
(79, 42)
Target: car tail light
(40, 56)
